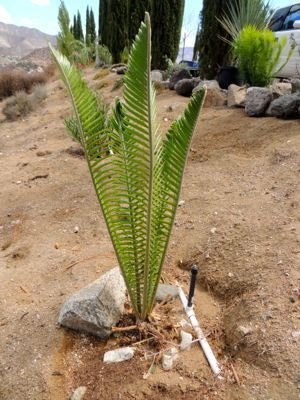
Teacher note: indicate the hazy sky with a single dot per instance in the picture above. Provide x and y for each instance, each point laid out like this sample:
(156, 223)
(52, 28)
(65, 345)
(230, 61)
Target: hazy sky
(42, 14)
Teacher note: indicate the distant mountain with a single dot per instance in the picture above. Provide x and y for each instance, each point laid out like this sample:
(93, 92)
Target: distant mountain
(19, 41)
(188, 54)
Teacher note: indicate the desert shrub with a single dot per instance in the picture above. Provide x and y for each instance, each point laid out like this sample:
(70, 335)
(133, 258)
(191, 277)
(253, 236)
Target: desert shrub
(18, 106)
(104, 55)
(39, 93)
(257, 52)
(49, 70)
(12, 82)
(21, 104)
(101, 74)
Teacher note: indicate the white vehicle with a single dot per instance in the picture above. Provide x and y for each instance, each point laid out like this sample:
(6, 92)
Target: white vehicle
(286, 23)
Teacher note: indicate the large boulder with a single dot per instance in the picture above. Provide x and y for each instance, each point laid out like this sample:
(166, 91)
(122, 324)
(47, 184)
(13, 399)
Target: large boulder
(257, 101)
(185, 87)
(280, 89)
(178, 76)
(156, 75)
(97, 307)
(213, 84)
(295, 85)
(285, 106)
(236, 96)
(215, 96)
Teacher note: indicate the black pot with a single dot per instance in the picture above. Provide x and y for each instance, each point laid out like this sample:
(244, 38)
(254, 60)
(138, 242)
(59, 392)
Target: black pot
(227, 76)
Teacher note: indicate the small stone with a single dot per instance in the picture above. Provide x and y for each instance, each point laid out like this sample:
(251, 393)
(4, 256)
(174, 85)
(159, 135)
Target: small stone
(213, 230)
(168, 358)
(76, 229)
(118, 355)
(56, 246)
(186, 340)
(296, 334)
(171, 107)
(18, 182)
(181, 203)
(231, 275)
(292, 300)
(166, 119)
(43, 153)
(164, 290)
(78, 393)
(244, 330)
(97, 307)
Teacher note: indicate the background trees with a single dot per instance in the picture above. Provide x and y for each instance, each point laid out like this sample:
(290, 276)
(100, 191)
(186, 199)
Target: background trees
(167, 16)
(90, 27)
(119, 21)
(65, 38)
(212, 51)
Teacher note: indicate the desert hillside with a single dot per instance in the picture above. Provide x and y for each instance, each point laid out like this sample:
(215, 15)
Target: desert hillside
(19, 41)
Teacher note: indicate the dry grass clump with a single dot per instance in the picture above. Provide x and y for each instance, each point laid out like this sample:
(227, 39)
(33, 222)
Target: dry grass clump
(159, 87)
(12, 82)
(102, 73)
(103, 83)
(22, 104)
(50, 70)
(39, 93)
(117, 84)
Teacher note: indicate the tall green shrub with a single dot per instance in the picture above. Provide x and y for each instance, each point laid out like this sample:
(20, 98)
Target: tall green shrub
(257, 52)
(138, 181)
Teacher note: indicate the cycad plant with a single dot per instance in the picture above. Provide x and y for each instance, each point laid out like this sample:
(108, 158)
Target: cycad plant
(136, 170)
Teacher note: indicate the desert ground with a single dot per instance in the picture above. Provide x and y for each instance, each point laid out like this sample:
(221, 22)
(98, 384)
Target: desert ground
(239, 221)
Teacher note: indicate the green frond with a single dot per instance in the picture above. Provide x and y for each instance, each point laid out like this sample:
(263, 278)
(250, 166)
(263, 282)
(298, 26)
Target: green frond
(73, 128)
(89, 121)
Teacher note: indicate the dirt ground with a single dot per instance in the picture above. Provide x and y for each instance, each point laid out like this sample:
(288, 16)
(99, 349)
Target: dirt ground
(239, 221)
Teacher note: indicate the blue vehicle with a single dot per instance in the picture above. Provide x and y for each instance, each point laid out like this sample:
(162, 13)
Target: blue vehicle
(192, 66)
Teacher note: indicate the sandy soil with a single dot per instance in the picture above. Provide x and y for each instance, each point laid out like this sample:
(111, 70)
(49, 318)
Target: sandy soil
(239, 221)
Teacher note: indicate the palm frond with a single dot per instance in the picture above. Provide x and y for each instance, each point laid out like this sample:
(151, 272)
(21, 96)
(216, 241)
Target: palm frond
(73, 128)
